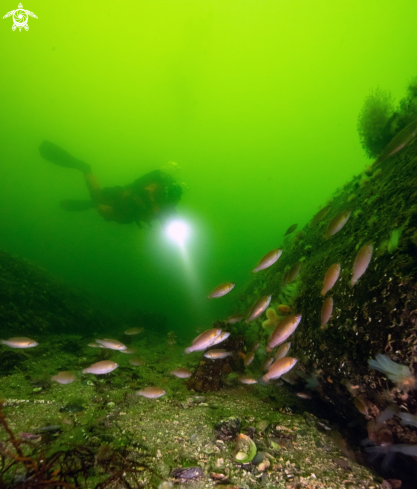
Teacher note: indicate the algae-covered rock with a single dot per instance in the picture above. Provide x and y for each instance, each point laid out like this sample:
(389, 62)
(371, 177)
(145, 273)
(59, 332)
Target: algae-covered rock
(228, 429)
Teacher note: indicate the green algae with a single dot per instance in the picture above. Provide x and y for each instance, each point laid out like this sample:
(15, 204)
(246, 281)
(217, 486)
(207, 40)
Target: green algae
(158, 432)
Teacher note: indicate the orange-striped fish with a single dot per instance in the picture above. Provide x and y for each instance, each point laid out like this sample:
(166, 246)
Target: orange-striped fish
(330, 278)
(258, 308)
(326, 310)
(361, 263)
(398, 142)
(279, 367)
(337, 223)
(284, 330)
(204, 340)
(221, 290)
(268, 260)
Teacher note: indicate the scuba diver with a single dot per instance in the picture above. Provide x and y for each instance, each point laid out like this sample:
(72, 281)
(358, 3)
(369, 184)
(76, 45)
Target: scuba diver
(151, 197)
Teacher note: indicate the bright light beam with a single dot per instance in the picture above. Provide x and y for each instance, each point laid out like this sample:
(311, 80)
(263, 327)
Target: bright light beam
(177, 231)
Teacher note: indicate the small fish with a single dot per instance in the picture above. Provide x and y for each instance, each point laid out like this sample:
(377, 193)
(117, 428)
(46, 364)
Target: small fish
(222, 336)
(136, 362)
(128, 350)
(247, 380)
(398, 142)
(51, 427)
(279, 367)
(362, 260)
(235, 318)
(361, 406)
(330, 278)
(304, 395)
(284, 309)
(283, 350)
(132, 331)
(217, 354)
(259, 308)
(95, 345)
(292, 274)
(326, 310)
(407, 418)
(171, 338)
(64, 377)
(268, 260)
(19, 342)
(100, 368)
(248, 358)
(204, 340)
(337, 223)
(388, 413)
(151, 392)
(267, 363)
(284, 329)
(111, 344)
(320, 215)
(255, 346)
(30, 436)
(291, 229)
(341, 443)
(181, 373)
(221, 290)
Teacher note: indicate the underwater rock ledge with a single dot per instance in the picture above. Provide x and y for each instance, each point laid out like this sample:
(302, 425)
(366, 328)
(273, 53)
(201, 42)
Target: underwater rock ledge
(34, 302)
(376, 315)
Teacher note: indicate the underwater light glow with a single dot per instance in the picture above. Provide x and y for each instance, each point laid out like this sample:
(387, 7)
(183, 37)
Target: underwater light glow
(177, 231)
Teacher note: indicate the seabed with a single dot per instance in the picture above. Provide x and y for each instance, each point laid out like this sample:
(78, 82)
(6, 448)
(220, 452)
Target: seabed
(104, 414)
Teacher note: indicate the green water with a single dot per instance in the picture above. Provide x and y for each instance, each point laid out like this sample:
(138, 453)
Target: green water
(257, 101)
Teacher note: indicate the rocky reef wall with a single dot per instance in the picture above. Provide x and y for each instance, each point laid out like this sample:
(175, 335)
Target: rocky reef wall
(376, 315)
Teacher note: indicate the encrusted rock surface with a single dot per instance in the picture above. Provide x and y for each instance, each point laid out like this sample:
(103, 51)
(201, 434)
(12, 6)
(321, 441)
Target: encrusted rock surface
(377, 315)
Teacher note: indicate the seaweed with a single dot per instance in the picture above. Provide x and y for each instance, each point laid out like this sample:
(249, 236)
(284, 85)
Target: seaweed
(25, 464)
(379, 121)
(373, 122)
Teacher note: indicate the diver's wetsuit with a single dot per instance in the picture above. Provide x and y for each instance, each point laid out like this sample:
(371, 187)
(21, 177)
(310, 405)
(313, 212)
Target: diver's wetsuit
(152, 196)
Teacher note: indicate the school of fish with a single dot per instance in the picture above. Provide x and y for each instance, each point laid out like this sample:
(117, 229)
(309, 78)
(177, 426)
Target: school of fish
(279, 320)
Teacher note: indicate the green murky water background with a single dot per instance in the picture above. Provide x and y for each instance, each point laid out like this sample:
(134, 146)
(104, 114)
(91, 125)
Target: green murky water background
(257, 101)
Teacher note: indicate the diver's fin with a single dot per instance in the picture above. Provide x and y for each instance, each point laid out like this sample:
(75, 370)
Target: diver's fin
(76, 205)
(59, 156)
